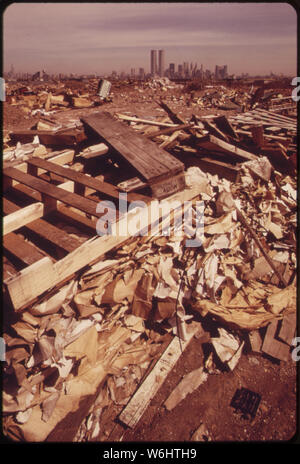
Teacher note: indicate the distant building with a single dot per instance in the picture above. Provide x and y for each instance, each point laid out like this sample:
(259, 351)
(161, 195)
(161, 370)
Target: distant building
(161, 63)
(141, 73)
(172, 70)
(153, 62)
(221, 72)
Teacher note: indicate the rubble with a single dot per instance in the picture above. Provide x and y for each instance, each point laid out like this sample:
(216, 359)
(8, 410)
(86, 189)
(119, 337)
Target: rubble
(102, 320)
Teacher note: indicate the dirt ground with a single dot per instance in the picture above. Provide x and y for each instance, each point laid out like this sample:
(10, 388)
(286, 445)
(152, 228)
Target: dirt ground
(276, 418)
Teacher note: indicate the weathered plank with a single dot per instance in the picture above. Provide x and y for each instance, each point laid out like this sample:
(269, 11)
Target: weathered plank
(150, 161)
(20, 217)
(24, 251)
(214, 144)
(148, 389)
(273, 347)
(62, 137)
(49, 190)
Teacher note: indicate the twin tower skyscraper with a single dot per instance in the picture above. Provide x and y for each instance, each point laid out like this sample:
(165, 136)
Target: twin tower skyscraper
(157, 66)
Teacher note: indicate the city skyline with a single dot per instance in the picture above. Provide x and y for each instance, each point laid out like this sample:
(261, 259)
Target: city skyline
(254, 38)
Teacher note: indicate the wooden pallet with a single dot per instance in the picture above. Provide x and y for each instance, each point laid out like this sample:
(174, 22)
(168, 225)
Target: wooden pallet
(33, 243)
(40, 255)
(155, 166)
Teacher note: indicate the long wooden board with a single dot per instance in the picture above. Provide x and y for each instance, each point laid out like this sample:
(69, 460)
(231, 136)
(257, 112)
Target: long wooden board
(150, 161)
(148, 389)
(53, 192)
(214, 144)
(24, 251)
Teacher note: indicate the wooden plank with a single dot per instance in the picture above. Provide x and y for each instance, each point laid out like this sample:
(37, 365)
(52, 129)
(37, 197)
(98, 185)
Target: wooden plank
(288, 328)
(224, 125)
(64, 157)
(213, 130)
(45, 230)
(273, 347)
(138, 404)
(31, 282)
(144, 155)
(214, 144)
(72, 199)
(168, 131)
(106, 189)
(66, 213)
(22, 294)
(63, 137)
(24, 251)
(124, 117)
(217, 167)
(21, 217)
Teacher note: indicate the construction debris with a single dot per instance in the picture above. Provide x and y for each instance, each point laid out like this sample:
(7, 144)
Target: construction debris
(97, 321)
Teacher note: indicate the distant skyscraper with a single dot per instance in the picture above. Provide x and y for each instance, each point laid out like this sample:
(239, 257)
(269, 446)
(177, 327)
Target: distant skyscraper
(172, 69)
(141, 73)
(153, 62)
(161, 62)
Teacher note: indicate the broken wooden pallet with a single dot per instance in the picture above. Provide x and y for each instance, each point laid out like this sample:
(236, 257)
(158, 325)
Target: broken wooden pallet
(158, 168)
(38, 278)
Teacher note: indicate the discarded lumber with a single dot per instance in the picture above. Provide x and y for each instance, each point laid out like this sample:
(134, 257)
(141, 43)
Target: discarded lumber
(52, 193)
(36, 279)
(21, 217)
(25, 252)
(175, 118)
(151, 162)
(244, 221)
(224, 125)
(138, 404)
(107, 190)
(169, 131)
(42, 228)
(62, 137)
(124, 117)
(273, 347)
(214, 144)
(213, 130)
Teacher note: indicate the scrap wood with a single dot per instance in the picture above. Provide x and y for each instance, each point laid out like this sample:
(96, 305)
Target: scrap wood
(138, 404)
(244, 221)
(124, 117)
(188, 384)
(274, 347)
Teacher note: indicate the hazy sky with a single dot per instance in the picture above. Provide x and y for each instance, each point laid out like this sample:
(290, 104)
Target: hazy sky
(100, 37)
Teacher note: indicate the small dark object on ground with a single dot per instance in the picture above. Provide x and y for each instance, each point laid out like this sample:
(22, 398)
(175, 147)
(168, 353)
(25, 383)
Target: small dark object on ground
(246, 401)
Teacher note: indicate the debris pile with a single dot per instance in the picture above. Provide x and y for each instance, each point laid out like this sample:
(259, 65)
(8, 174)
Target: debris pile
(96, 327)
(104, 320)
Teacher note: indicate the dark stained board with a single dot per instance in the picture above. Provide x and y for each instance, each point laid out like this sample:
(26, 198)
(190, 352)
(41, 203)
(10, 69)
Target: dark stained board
(53, 192)
(151, 162)
(46, 230)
